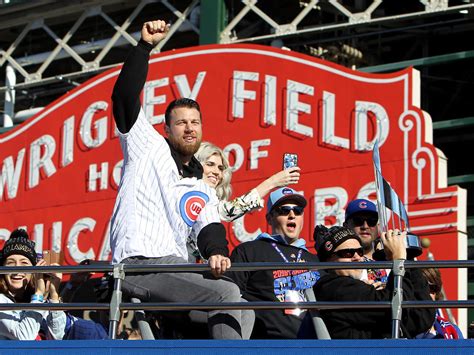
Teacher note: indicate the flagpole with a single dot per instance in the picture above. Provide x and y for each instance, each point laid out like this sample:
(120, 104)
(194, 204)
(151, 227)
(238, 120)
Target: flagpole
(398, 269)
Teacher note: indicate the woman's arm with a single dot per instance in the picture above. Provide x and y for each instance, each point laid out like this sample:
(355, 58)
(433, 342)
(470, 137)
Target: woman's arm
(231, 210)
(20, 325)
(285, 177)
(56, 320)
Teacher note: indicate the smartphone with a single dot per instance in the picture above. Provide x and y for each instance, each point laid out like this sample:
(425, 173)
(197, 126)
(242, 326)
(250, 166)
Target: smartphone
(52, 257)
(290, 160)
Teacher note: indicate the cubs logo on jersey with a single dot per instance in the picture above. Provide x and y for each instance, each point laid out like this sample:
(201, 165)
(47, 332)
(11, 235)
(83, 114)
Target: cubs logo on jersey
(191, 204)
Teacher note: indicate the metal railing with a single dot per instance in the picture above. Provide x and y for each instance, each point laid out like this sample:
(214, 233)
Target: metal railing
(118, 272)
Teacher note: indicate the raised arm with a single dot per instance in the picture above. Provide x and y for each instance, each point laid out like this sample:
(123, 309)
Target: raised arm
(129, 84)
(233, 209)
(285, 177)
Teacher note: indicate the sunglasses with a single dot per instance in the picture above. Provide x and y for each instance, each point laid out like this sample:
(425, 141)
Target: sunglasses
(285, 210)
(349, 253)
(359, 221)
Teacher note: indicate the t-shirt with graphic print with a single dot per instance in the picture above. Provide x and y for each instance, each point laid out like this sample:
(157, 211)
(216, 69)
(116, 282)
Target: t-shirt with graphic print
(274, 285)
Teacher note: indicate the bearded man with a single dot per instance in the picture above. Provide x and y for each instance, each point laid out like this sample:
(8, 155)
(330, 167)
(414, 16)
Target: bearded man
(162, 200)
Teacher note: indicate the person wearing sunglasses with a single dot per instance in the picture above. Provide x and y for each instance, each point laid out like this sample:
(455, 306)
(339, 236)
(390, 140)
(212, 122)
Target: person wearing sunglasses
(285, 215)
(362, 217)
(342, 244)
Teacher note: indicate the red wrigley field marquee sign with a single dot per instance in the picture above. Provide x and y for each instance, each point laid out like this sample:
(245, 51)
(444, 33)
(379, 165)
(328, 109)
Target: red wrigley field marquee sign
(61, 168)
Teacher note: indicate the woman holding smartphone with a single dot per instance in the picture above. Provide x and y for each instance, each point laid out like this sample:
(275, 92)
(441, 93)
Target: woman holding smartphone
(20, 287)
(217, 174)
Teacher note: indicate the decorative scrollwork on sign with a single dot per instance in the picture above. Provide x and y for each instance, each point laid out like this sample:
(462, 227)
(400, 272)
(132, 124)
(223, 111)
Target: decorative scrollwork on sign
(410, 121)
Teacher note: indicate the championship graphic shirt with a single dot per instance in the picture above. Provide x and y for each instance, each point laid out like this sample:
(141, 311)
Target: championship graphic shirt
(274, 285)
(289, 286)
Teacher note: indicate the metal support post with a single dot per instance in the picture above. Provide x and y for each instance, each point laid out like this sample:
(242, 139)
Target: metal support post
(114, 312)
(143, 324)
(397, 298)
(318, 323)
(6, 120)
(212, 21)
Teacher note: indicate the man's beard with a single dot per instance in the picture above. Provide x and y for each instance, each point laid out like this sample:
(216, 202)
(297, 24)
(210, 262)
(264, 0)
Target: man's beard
(185, 149)
(367, 245)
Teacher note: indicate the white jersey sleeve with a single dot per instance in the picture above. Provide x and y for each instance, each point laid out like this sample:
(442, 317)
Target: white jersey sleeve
(209, 214)
(141, 138)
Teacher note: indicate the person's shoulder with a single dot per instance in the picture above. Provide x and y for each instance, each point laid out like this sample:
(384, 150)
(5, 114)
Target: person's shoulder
(197, 185)
(250, 244)
(5, 299)
(251, 247)
(335, 280)
(310, 256)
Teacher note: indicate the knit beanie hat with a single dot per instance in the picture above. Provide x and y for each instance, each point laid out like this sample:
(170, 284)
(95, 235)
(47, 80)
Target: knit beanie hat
(328, 239)
(19, 243)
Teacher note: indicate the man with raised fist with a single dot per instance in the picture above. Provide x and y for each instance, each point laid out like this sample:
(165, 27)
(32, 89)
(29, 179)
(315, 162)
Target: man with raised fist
(162, 200)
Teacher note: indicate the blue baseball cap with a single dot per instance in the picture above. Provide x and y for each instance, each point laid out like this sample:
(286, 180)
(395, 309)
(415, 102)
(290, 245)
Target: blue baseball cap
(360, 205)
(284, 195)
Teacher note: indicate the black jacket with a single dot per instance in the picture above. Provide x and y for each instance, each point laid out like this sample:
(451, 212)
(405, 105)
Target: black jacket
(373, 324)
(270, 285)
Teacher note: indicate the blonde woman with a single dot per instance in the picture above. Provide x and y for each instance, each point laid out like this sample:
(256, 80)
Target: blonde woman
(217, 174)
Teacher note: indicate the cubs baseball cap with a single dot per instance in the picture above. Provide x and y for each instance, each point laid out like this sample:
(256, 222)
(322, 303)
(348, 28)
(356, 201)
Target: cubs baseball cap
(360, 205)
(284, 195)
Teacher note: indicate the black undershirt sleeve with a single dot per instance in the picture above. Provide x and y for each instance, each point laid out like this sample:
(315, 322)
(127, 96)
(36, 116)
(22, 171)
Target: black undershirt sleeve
(212, 241)
(129, 84)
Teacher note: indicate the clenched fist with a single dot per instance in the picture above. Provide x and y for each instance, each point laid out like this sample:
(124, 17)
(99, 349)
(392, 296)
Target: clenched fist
(154, 32)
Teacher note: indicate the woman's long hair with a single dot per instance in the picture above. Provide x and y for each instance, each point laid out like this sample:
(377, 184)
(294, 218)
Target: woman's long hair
(206, 150)
(26, 297)
(433, 276)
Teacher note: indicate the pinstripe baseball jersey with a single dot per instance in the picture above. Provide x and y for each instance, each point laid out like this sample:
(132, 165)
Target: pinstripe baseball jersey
(156, 210)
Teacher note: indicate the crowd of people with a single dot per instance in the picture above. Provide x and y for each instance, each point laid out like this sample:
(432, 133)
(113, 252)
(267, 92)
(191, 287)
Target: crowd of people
(153, 222)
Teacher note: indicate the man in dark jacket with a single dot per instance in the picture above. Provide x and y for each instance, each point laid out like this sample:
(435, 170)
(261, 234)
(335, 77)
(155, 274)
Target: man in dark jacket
(342, 244)
(285, 210)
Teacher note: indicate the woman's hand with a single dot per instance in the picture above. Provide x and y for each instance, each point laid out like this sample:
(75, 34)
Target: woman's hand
(286, 177)
(40, 285)
(282, 178)
(54, 280)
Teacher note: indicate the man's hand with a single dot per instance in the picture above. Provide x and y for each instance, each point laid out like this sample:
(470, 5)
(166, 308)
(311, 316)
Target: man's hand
(219, 264)
(394, 244)
(378, 285)
(154, 32)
